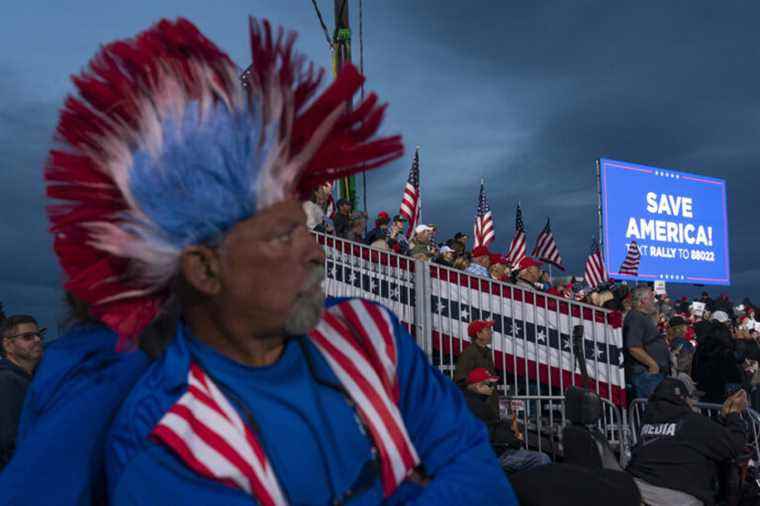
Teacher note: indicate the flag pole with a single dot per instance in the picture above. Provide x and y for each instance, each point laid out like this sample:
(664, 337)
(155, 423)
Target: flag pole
(341, 46)
(419, 184)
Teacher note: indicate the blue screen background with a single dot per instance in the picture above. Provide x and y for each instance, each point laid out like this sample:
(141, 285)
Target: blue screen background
(624, 189)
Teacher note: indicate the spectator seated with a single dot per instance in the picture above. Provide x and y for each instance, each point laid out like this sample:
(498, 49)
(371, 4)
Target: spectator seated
(584, 445)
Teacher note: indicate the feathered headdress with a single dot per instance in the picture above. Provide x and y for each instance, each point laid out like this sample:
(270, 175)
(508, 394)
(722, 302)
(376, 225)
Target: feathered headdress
(166, 146)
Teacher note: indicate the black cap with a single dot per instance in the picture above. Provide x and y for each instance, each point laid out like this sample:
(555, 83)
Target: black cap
(459, 235)
(676, 321)
(342, 202)
(670, 389)
(676, 390)
(398, 218)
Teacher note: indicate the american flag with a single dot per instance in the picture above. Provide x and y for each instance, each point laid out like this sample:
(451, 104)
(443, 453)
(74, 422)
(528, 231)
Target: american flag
(546, 248)
(484, 233)
(411, 201)
(632, 260)
(596, 273)
(517, 246)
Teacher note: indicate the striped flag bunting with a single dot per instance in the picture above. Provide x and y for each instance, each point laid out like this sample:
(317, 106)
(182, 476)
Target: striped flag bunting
(596, 273)
(517, 246)
(483, 233)
(632, 260)
(525, 327)
(546, 248)
(411, 200)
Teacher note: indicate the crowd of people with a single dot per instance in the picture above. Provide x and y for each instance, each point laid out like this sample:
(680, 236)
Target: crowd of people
(393, 234)
(712, 357)
(675, 357)
(676, 352)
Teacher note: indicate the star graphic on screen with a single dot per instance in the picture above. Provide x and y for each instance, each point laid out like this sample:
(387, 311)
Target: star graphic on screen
(395, 292)
(440, 307)
(599, 352)
(352, 278)
(541, 336)
(464, 314)
(566, 344)
(373, 285)
(331, 272)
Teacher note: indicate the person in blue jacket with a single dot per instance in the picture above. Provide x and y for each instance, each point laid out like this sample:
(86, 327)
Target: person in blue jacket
(310, 432)
(182, 231)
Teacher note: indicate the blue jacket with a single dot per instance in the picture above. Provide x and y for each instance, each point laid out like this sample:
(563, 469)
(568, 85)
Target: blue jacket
(69, 407)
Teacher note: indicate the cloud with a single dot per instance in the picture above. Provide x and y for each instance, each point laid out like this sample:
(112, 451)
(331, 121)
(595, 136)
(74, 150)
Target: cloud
(28, 271)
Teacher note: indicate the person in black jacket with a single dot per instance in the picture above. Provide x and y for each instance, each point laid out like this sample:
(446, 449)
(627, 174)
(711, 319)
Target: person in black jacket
(22, 351)
(721, 351)
(342, 218)
(680, 451)
(505, 440)
(381, 228)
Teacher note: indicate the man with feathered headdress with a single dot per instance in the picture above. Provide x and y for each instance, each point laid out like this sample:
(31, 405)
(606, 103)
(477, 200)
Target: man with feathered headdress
(181, 229)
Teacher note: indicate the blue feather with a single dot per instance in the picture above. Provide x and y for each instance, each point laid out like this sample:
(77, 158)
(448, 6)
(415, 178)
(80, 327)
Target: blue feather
(205, 178)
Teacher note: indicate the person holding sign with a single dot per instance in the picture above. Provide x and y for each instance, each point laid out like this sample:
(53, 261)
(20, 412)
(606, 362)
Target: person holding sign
(646, 352)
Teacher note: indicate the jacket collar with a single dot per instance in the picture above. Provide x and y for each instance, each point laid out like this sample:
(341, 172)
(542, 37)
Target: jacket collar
(5, 363)
(177, 358)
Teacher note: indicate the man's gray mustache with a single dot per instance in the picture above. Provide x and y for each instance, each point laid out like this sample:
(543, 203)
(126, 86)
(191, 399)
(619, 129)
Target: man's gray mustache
(314, 279)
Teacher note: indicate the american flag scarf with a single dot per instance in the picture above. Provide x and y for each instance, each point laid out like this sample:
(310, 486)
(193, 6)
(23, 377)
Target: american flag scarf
(356, 338)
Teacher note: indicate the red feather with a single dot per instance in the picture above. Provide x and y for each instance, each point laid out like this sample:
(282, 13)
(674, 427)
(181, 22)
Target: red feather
(346, 150)
(109, 91)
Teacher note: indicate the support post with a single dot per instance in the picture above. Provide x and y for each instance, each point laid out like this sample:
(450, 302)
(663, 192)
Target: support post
(600, 225)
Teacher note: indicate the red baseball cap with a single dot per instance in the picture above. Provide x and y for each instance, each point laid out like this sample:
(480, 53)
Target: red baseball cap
(476, 326)
(480, 374)
(480, 251)
(497, 258)
(528, 262)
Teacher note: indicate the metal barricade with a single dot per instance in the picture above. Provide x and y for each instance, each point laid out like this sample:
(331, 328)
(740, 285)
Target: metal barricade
(355, 270)
(542, 420)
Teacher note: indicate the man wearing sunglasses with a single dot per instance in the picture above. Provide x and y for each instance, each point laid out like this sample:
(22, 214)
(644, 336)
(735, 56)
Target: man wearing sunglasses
(22, 351)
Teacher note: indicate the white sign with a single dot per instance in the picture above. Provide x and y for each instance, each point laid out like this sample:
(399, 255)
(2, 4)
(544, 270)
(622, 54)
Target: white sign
(698, 309)
(659, 288)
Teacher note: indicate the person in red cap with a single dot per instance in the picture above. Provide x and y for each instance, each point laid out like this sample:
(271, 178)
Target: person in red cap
(529, 273)
(498, 269)
(506, 440)
(481, 261)
(381, 228)
(477, 354)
